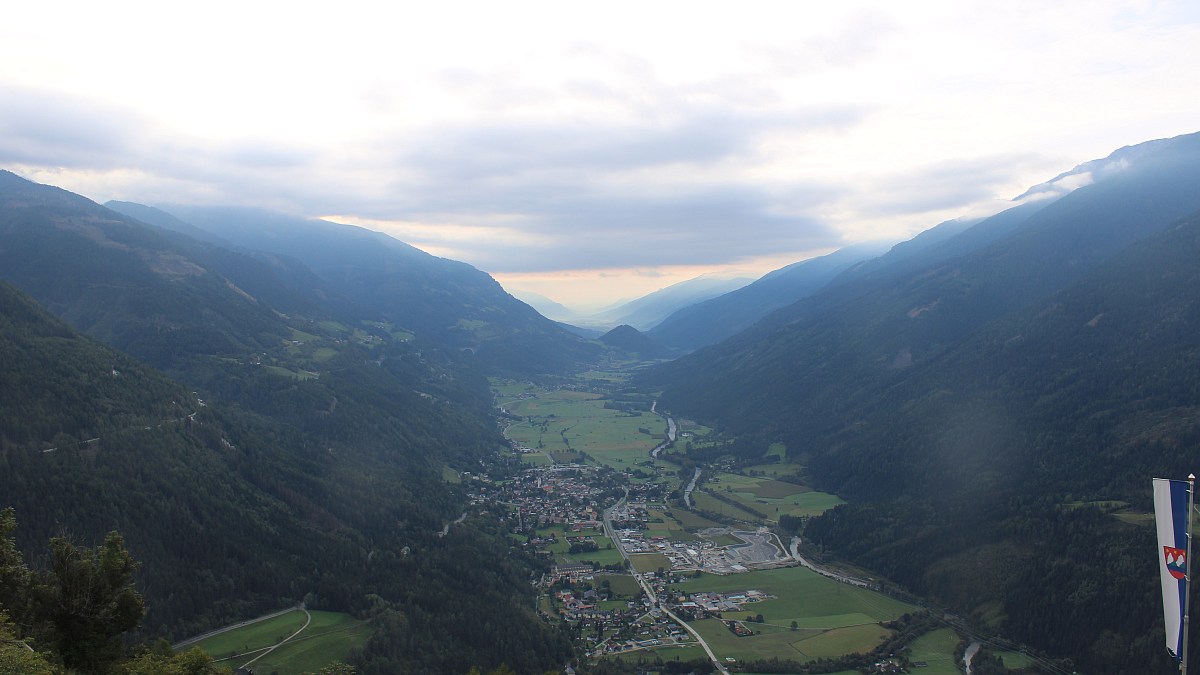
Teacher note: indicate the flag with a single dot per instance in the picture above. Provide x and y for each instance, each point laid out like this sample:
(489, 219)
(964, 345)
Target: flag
(1171, 518)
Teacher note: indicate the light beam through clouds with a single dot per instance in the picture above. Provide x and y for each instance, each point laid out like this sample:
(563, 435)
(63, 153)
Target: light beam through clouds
(592, 152)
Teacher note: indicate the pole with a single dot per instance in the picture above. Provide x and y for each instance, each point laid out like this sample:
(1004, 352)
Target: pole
(1187, 592)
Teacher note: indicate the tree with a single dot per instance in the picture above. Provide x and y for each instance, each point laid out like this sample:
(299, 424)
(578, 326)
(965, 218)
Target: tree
(85, 601)
(14, 576)
(16, 657)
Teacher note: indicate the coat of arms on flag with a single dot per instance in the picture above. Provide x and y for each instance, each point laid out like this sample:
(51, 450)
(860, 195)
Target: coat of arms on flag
(1176, 559)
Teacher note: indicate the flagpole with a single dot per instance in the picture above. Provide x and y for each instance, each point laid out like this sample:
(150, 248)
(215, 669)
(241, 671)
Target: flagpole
(1187, 593)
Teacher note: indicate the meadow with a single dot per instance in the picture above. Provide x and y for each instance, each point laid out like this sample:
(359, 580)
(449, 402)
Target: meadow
(936, 648)
(328, 639)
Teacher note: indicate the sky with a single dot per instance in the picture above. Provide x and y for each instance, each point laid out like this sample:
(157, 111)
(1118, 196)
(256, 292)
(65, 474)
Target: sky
(590, 152)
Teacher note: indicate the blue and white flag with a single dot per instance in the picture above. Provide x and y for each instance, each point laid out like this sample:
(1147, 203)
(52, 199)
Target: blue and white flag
(1171, 517)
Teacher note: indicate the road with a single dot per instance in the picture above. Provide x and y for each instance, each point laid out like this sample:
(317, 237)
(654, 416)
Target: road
(179, 645)
(795, 550)
(649, 591)
(277, 645)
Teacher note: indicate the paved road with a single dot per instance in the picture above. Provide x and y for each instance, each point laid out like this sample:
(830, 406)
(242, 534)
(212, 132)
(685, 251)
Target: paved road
(821, 570)
(612, 534)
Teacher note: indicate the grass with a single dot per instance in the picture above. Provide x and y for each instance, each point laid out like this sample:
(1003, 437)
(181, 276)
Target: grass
(769, 644)
(649, 562)
(685, 652)
(450, 475)
(769, 496)
(567, 420)
(255, 636)
(328, 639)
(284, 372)
(937, 649)
(803, 596)
(776, 470)
(777, 489)
(1015, 659)
(849, 640)
(323, 354)
(622, 585)
(692, 521)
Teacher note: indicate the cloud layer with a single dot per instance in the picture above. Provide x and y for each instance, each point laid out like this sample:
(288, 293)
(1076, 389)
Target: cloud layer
(542, 138)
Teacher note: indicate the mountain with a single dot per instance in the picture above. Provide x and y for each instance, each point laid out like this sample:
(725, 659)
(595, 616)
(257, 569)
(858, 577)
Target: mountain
(122, 282)
(818, 352)
(440, 301)
(711, 321)
(307, 462)
(628, 339)
(231, 514)
(1075, 401)
(982, 401)
(546, 307)
(649, 310)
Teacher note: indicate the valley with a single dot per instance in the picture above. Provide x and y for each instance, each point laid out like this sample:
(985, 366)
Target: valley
(642, 575)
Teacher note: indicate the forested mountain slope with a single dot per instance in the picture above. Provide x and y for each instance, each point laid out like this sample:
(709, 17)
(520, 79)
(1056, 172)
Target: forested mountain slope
(709, 322)
(313, 464)
(994, 451)
(791, 373)
(976, 410)
(442, 301)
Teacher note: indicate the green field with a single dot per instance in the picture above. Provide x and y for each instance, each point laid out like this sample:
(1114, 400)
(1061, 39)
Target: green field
(622, 585)
(764, 495)
(328, 639)
(566, 420)
(684, 652)
(771, 643)
(937, 649)
(252, 637)
(803, 596)
(849, 640)
(649, 562)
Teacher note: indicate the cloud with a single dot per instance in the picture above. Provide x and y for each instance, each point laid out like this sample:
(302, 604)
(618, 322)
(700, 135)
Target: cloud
(940, 186)
(582, 230)
(39, 126)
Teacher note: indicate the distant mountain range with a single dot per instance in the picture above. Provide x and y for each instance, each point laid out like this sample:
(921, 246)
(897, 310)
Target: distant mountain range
(973, 393)
(445, 301)
(711, 321)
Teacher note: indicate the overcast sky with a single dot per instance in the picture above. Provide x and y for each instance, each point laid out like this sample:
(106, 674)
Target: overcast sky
(591, 151)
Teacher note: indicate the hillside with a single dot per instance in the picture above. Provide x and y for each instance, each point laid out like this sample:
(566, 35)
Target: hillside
(971, 406)
(313, 462)
(442, 302)
(716, 319)
(648, 311)
(629, 339)
(810, 358)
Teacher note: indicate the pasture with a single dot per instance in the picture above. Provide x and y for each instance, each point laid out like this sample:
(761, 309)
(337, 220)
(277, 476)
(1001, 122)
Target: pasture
(936, 648)
(327, 639)
(764, 495)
